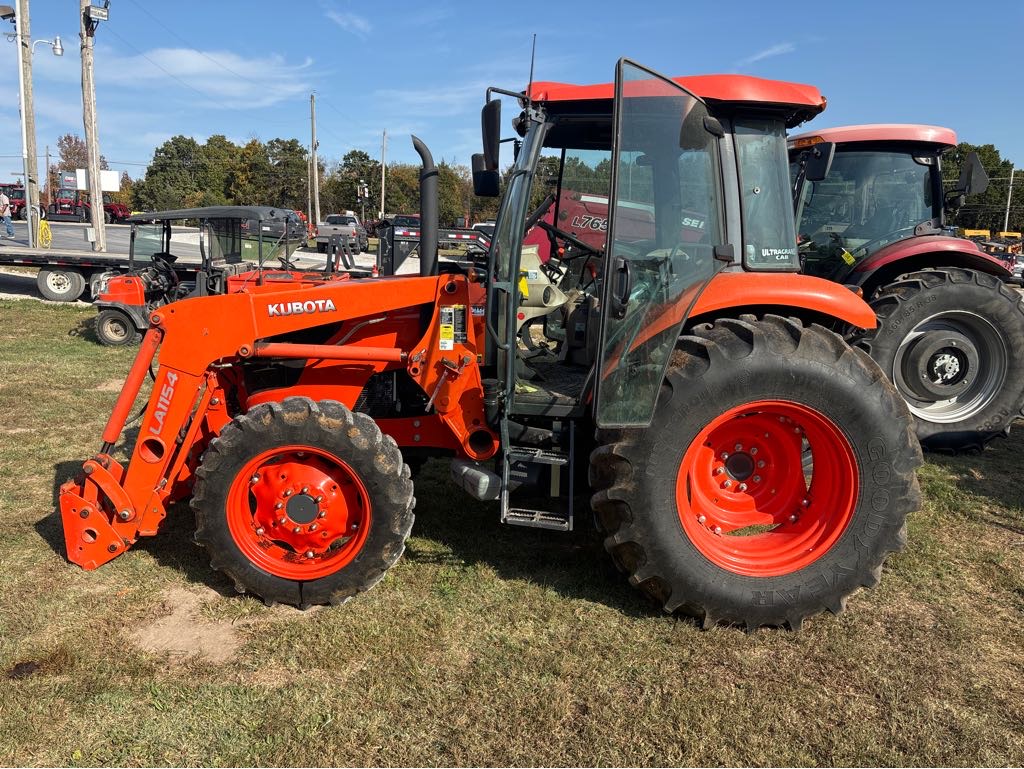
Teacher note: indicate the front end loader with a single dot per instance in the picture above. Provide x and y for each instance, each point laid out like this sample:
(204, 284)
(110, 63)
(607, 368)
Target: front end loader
(744, 464)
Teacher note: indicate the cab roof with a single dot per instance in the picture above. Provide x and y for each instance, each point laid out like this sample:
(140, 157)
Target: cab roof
(801, 102)
(261, 213)
(883, 132)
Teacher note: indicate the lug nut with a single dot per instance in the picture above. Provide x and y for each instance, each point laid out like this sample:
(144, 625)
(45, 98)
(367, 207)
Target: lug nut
(756, 479)
(727, 484)
(792, 518)
(743, 487)
(313, 527)
(760, 463)
(323, 514)
(738, 446)
(259, 531)
(719, 470)
(806, 502)
(287, 492)
(255, 477)
(724, 455)
(297, 529)
(355, 526)
(279, 505)
(305, 489)
(702, 519)
(718, 530)
(319, 499)
(753, 450)
(282, 521)
(309, 553)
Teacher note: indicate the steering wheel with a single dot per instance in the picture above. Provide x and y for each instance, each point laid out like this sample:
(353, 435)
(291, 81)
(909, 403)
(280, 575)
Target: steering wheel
(572, 240)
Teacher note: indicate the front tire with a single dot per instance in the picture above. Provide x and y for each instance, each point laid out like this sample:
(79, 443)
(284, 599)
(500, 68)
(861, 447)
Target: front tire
(303, 502)
(115, 329)
(710, 510)
(950, 340)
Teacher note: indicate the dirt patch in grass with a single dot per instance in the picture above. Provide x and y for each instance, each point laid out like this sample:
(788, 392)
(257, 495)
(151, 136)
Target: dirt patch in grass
(184, 632)
(111, 386)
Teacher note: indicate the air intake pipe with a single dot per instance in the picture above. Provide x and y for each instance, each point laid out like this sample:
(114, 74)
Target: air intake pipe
(428, 210)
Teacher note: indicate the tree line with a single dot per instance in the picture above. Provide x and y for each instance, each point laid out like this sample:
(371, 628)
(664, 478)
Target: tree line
(185, 174)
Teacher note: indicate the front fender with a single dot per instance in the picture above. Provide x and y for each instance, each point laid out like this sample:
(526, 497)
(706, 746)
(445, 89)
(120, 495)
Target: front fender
(801, 294)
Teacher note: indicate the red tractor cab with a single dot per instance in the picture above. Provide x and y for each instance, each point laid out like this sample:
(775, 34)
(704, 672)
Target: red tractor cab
(874, 215)
(75, 205)
(16, 194)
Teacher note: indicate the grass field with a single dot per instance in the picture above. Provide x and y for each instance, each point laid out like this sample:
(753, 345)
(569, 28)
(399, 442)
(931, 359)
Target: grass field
(484, 645)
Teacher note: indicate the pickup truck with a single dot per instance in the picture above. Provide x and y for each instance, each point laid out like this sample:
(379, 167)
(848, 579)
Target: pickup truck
(341, 224)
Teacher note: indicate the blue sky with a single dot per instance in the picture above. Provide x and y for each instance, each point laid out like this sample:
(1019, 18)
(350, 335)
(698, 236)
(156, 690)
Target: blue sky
(246, 69)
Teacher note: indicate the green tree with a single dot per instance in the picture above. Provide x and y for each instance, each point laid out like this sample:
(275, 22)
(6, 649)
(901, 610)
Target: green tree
(338, 190)
(217, 159)
(250, 181)
(289, 164)
(172, 177)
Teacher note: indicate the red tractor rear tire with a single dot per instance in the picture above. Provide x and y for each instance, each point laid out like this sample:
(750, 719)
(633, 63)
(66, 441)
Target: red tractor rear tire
(303, 502)
(709, 510)
(950, 339)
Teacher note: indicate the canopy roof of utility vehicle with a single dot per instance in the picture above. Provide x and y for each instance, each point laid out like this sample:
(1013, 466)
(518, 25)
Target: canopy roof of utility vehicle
(261, 213)
(881, 132)
(798, 101)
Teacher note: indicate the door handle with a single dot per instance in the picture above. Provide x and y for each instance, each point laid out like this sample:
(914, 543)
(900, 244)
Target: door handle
(622, 286)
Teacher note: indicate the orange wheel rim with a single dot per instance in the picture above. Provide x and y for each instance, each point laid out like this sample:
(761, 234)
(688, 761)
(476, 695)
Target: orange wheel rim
(298, 512)
(751, 502)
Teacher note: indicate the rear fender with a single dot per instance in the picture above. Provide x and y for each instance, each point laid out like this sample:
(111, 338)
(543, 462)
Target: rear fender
(731, 293)
(935, 251)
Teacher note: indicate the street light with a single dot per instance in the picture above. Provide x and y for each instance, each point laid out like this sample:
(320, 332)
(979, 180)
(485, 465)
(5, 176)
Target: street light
(7, 13)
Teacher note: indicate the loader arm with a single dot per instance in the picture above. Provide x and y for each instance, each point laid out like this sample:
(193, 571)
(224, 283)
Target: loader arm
(200, 342)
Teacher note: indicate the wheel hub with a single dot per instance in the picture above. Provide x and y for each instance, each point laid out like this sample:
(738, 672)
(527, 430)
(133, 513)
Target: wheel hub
(302, 508)
(940, 365)
(739, 466)
(299, 512)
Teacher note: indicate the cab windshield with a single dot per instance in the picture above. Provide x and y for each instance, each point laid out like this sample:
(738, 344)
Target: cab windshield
(871, 198)
(769, 237)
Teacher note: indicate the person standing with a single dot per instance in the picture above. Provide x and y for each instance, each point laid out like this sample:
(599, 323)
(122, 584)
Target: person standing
(5, 212)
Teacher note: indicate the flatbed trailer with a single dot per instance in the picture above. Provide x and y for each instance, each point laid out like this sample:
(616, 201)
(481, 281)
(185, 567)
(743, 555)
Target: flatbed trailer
(65, 274)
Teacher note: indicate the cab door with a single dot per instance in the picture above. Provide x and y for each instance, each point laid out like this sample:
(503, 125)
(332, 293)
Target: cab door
(665, 159)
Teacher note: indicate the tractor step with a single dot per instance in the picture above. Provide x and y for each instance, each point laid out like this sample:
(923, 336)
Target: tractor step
(534, 478)
(539, 519)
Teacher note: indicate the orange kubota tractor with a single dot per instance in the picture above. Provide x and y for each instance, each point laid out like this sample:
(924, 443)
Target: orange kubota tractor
(745, 464)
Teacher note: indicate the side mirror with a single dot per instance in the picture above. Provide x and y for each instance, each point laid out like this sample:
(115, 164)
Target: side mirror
(490, 126)
(486, 182)
(973, 179)
(819, 161)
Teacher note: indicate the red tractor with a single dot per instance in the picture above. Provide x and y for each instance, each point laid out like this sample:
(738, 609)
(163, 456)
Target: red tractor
(949, 330)
(745, 464)
(75, 205)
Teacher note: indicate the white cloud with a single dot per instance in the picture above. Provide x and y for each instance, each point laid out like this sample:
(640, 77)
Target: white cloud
(350, 22)
(776, 50)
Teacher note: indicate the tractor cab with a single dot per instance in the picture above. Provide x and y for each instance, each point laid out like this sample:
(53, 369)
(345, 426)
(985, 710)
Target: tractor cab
(882, 187)
(584, 309)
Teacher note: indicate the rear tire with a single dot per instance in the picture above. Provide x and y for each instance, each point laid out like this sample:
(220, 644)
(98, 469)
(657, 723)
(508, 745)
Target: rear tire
(61, 285)
(792, 391)
(115, 329)
(341, 465)
(984, 319)
(80, 214)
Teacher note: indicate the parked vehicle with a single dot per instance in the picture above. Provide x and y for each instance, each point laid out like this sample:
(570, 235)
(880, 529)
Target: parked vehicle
(345, 225)
(949, 332)
(232, 239)
(748, 466)
(75, 205)
(16, 194)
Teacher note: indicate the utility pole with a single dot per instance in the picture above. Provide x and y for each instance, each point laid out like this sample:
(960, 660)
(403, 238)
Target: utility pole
(47, 180)
(316, 164)
(27, 105)
(23, 45)
(309, 190)
(1009, 196)
(91, 16)
(383, 167)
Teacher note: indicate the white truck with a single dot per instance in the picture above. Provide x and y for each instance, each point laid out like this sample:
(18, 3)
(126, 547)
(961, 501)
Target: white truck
(347, 225)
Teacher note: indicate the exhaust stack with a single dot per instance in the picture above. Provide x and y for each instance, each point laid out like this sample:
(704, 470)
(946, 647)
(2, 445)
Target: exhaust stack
(428, 210)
